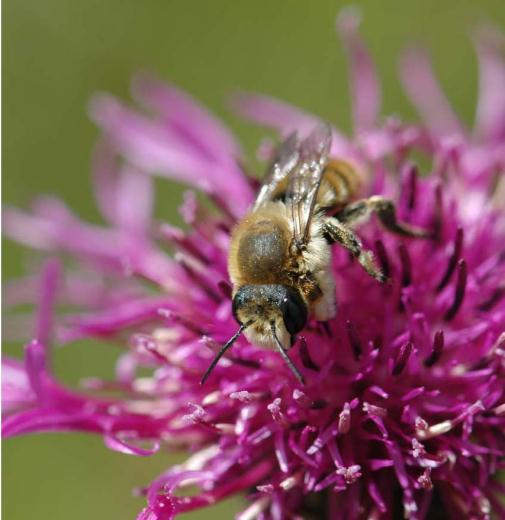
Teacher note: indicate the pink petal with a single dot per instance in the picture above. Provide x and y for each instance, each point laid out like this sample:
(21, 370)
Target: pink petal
(365, 88)
(36, 368)
(188, 116)
(426, 94)
(161, 149)
(285, 118)
(125, 196)
(16, 390)
(27, 229)
(122, 445)
(104, 170)
(47, 297)
(271, 112)
(148, 144)
(490, 119)
(135, 200)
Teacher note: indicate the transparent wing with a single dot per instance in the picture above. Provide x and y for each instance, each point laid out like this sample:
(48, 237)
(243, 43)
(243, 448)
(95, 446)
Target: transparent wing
(305, 179)
(283, 162)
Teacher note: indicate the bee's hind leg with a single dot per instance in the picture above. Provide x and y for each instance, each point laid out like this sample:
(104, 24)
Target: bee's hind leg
(386, 212)
(336, 232)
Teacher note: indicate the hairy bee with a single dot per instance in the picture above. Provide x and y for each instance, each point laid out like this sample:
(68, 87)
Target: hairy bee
(280, 253)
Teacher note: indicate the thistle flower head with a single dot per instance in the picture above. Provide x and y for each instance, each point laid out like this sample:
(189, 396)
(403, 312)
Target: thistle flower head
(403, 405)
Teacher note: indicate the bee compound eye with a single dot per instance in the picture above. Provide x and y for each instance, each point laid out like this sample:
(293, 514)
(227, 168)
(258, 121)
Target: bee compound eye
(294, 312)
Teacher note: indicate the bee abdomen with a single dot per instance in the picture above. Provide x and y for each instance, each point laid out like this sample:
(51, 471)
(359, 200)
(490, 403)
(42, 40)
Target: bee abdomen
(262, 252)
(343, 180)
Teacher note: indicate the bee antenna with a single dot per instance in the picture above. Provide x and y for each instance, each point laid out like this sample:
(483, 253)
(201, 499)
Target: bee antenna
(224, 348)
(287, 359)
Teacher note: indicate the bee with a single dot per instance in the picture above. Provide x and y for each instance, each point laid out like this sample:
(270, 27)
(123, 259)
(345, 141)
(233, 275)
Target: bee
(280, 253)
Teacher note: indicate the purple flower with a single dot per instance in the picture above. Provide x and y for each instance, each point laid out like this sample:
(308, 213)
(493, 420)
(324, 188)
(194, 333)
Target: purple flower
(403, 405)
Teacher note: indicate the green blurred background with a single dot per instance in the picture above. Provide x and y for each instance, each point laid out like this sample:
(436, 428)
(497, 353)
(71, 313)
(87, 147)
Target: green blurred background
(56, 53)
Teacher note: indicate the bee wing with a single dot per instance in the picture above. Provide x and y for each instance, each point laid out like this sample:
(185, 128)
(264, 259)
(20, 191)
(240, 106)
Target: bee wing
(305, 179)
(283, 162)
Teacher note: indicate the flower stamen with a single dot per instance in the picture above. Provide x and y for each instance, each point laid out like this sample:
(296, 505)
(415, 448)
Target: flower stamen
(402, 358)
(460, 291)
(354, 340)
(406, 264)
(438, 347)
(382, 255)
(453, 260)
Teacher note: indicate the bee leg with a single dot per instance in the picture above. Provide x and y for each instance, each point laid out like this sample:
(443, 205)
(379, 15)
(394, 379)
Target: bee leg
(386, 212)
(334, 231)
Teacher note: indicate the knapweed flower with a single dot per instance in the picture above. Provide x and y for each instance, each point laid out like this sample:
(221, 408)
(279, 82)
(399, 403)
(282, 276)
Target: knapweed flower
(403, 408)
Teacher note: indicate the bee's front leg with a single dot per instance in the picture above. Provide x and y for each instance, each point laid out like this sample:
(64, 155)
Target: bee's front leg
(335, 231)
(386, 212)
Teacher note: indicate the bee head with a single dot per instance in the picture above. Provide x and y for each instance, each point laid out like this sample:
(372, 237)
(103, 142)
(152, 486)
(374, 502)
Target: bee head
(264, 305)
(269, 315)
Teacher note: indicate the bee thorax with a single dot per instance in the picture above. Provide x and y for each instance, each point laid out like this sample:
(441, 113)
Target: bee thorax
(262, 252)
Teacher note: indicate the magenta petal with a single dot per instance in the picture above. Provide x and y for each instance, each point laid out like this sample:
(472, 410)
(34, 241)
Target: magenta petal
(490, 119)
(45, 420)
(271, 112)
(426, 94)
(162, 149)
(48, 288)
(105, 172)
(188, 116)
(284, 118)
(135, 199)
(114, 442)
(365, 88)
(16, 390)
(27, 229)
(125, 197)
(147, 142)
(36, 368)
